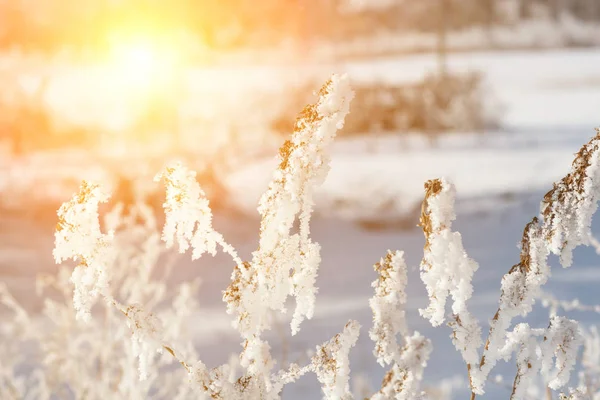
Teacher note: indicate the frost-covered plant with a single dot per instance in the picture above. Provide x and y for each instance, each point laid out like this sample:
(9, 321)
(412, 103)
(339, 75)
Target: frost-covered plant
(97, 359)
(114, 321)
(566, 214)
(284, 265)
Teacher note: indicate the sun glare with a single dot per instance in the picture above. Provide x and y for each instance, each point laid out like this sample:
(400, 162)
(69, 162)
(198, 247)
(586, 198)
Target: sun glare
(144, 66)
(140, 62)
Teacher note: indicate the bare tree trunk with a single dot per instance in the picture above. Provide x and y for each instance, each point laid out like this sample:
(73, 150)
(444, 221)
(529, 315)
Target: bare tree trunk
(443, 13)
(524, 9)
(593, 10)
(556, 9)
(490, 12)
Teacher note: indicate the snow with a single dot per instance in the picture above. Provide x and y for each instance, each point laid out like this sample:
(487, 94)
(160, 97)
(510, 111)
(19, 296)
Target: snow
(365, 185)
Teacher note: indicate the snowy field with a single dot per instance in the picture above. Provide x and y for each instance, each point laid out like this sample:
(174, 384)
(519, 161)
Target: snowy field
(550, 102)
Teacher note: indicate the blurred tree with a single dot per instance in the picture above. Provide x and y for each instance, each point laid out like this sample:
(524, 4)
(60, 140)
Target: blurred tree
(490, 18)
(224, 24)
(556, 9)
(443, 11)
(525, 9)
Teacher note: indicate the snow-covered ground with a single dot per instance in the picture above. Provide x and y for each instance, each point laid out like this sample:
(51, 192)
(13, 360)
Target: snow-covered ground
(381, 180)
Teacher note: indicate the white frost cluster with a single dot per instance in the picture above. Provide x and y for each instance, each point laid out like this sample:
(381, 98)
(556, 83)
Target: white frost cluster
(551, 352)
(105, 358)
(78, 237)
(403, 381)
(519, 289)
(332, 365)
(188, 215)
(447, 270)
(389, 317)
(576, 394)
(523, 340)
(569, 207)
(146, 330)
(561, 342)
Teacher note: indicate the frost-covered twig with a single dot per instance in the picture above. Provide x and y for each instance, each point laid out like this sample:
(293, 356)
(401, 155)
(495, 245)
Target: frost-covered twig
(286, 264)
(551, 302)
(188, 215)
(562, 340)
(569, 207)
(7, 299)
(447, 270)
(567, 211)
(332, 365)
(519, 289)
(402, 381)
(389, 317)
(78, 237)
(589, 376)
(576, 394)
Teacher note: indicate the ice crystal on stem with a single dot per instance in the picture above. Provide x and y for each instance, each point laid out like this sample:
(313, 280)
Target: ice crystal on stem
(145, 330)
(567, 211)
(569, 207)
(447, 270)
(331, 363)
(403, 381)
(519, 289)
(561, 341)
(537, 348)
(188, 215)
(389, 317)
(576, 394)
(523, 340)
(78, 237)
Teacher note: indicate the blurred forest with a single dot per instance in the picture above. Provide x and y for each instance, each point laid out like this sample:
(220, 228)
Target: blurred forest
(227, 24)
